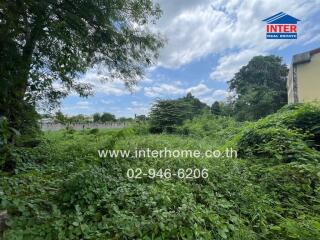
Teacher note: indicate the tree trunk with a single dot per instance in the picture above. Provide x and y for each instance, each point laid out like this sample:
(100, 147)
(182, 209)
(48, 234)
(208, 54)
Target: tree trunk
(14, 103)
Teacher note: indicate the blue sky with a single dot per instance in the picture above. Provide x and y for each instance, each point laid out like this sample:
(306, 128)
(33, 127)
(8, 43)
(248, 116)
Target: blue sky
(207, 42)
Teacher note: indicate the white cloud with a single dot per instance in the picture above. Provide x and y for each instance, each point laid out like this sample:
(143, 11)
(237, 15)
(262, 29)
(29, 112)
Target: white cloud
(192, 33)
(201, 91)
(115, 87)
(176, 89)
(162, 90)
(83, 103)
(106, 102)
(146, 80)
(216, 95)
(137, 104)
(196, 29)
(80, 106)
(220, 93)
(228, 65)
(208, 100)
(138, 108)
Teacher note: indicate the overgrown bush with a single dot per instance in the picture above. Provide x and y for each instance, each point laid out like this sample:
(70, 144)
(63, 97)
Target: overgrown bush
(167, 115)
(288, 135)
(69, 130)
(218, 129)
(278, 144)
(82, 188)
(295, 185)
(141, 128)
(305, 118)
(94, 131)
(8, 136)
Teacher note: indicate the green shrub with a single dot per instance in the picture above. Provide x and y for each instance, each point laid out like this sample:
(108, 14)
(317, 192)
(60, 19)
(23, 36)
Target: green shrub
(83, 188)
(167, 115)
(301, 228)
(281, 144)
(291, 134)
(217, 129)
(7, 133)
(295, 185)
(28, 141)
(94, 131)
(141, 128)
(8, 136)
(305, 118)
(69, 130)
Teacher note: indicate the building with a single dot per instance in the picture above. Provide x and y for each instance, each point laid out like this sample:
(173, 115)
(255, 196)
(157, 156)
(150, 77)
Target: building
(303, 83)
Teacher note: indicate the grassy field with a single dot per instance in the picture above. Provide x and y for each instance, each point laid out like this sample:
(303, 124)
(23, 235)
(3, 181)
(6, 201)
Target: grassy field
(63, 190)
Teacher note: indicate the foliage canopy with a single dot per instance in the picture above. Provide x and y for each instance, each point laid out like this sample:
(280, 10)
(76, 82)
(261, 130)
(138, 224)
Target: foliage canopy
(260, 88)
(166, 115)
(45, 43)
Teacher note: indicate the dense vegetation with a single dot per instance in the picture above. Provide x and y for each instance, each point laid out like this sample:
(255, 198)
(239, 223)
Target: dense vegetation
(166, 115)
(54, 185)
(104, 117)
(61, 189)
(260, 87)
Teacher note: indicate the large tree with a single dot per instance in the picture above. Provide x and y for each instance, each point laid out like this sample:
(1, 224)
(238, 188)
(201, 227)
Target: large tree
(44, 43)
(215, 108)
(260, 87)
(107, 117)
(165, 115)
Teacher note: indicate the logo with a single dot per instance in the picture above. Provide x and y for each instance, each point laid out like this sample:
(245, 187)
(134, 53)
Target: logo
(281, 26)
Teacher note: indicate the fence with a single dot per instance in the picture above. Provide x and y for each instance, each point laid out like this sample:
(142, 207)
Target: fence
(80, 126)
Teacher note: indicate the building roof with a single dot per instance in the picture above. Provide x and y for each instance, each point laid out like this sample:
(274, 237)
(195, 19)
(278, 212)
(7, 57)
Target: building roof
(304, 57)
(281, 18)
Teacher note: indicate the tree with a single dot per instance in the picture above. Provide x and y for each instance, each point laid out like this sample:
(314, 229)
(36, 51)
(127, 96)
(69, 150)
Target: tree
(141, 117)
(96, 117)
(80, 118)
(125, 119)
(107, 117)
(215, 108)
(260, 87)
(60, 117)
(197, 106)
(226, 108)
(51, 42)
(165, 115)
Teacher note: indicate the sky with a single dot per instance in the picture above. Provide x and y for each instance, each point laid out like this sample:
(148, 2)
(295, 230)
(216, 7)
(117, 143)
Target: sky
(207, 42)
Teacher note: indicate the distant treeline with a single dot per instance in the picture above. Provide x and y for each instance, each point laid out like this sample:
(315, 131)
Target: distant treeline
(59, 117)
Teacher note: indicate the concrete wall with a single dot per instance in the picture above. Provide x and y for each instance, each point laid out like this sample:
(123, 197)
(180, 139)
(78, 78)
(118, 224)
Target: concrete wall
(308, 75)
(290, 86)
(78, 126)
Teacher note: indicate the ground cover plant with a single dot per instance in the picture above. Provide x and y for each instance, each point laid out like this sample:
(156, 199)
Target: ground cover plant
(61, 189)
